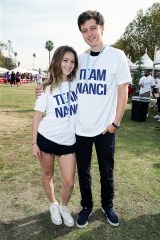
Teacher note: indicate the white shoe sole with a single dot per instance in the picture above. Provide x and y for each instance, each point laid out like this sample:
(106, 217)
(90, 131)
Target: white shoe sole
(55, 222)
(68, 224)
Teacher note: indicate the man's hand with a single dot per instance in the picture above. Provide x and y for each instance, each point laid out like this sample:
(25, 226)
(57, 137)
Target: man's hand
(110, 128)
(38, 90)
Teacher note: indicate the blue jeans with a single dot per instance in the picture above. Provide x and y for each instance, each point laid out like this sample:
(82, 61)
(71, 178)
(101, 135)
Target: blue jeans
(105, 147)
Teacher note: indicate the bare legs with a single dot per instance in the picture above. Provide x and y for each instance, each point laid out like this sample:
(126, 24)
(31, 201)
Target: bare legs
(47, 169)
(67, 165)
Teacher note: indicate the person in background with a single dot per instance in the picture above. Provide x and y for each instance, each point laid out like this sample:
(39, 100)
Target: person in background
(18, 78)
(40, 77)
(54, 134)
(146, 84)
(157, 87)
(8, 78)
(13, 79)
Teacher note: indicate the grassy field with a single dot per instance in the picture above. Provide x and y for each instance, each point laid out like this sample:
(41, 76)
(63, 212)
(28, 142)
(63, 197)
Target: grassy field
(24, 206)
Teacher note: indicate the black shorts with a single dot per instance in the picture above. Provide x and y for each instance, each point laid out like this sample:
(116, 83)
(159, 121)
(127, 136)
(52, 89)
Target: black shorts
(50, 147)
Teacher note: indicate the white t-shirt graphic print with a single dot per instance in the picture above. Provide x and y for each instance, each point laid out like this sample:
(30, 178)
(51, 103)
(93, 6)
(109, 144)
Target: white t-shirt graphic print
(57, 126)
(97, 96)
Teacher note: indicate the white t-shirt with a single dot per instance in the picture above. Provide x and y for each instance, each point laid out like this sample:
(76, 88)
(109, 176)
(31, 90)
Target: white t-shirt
(57, 125)
(147, 83)
(97, 96)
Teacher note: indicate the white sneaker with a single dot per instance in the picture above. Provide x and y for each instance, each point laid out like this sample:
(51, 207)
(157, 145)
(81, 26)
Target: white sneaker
(66, 215)
(157, 117)
(158, 120)
(55, 214)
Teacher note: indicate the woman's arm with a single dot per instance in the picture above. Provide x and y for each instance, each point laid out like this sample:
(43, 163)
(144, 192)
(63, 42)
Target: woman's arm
(36, 120)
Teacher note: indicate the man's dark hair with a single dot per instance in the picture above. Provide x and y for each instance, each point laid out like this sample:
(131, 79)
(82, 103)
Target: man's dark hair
(97, 16)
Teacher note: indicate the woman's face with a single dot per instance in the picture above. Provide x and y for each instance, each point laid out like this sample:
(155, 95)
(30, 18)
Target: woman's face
(67, 64)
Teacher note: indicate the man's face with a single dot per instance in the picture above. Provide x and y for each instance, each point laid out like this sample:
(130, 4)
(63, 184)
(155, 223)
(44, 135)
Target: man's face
(92, 33)
(146, 73)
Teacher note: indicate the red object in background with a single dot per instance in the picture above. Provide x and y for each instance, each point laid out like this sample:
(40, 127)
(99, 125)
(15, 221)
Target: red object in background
(130, 90)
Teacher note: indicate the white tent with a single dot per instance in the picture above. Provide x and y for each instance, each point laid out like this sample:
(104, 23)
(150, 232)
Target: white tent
(3, 70)
(156, 62)
(147, 63)
(19, 69)
(131, 64)
(34, 72)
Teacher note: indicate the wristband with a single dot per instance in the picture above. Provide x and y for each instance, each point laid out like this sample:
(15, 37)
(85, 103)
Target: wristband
(115, 125)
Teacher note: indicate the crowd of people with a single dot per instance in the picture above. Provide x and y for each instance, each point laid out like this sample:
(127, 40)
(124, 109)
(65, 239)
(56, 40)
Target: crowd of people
(14, 79)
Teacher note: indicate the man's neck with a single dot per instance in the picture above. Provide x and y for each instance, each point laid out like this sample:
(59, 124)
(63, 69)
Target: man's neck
(98, 47)
(96, 53)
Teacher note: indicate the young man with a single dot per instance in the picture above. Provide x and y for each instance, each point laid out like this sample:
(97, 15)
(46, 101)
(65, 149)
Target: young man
(102, 89)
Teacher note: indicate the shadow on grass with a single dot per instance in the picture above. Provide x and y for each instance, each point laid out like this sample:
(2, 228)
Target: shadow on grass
(39, 227)
(156, 165)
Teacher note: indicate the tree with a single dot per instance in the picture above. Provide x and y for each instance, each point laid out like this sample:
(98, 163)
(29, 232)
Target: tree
(15, 54)
(6, 62)
(49, 46)
(34, 56)
(143, 32)
(137, 75)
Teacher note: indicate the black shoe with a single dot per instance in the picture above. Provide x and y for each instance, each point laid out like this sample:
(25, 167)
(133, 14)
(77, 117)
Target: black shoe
(83, 216)
(111, 216)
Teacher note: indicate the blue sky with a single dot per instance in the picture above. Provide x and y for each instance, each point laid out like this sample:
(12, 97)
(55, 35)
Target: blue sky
(30, 23)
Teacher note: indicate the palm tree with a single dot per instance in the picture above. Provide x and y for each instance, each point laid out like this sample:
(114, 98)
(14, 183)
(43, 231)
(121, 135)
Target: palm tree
(15, 54)
(49, 46)
(34, 55)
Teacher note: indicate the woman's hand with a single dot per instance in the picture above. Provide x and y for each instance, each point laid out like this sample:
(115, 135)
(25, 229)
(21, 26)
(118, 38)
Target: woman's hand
(36, 151)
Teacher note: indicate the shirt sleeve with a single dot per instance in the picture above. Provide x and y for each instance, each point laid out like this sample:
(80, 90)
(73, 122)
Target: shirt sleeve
(41, 102)
(123, 72)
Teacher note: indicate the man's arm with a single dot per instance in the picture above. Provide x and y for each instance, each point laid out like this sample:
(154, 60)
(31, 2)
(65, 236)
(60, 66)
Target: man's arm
(121, 106)
(121, 102)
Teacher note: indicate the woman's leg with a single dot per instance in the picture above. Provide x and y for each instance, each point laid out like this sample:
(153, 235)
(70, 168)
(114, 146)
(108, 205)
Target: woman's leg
(47, 169)
(67, 165)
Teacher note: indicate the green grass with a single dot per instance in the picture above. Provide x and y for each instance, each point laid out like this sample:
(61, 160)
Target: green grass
(24, 206)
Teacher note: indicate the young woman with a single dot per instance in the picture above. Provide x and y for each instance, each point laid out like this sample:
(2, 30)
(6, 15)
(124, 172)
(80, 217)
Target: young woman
(54, 134)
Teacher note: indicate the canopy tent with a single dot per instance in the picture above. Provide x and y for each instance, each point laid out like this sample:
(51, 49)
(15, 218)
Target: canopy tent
(147, 63)
(156, 62)
(3, 70)
(131, 64)
(34, 72)
(19, 69)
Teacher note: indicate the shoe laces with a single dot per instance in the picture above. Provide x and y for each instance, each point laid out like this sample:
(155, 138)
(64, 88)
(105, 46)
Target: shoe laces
(65, 211)
(55, 210)
(84, 210)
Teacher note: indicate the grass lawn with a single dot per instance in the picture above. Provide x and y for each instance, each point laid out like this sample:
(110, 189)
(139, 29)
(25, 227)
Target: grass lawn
(24, 206)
